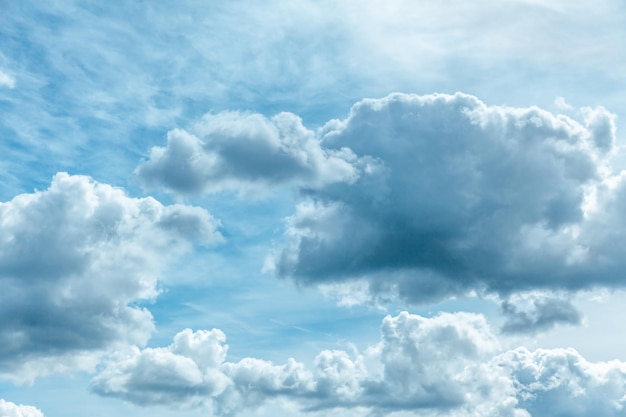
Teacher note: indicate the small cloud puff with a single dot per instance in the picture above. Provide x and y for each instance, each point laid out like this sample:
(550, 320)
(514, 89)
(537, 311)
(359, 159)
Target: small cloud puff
(75, 259)
(531, 312)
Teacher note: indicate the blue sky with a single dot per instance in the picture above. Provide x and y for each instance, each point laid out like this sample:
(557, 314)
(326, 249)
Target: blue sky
(390, 208)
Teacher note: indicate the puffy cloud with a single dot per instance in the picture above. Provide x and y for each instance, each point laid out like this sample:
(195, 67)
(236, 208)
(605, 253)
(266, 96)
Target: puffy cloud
(560, 382)
(244, 151)
(419, 363)
(531, 312)
(8, 409)
(457, 196)
(184, 371)
(446, 365)
(601, 124)
(75, 260)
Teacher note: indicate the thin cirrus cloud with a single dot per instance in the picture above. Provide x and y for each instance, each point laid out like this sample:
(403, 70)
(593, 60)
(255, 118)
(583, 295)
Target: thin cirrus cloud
(75, 261)
(9, 409)
(450, 364)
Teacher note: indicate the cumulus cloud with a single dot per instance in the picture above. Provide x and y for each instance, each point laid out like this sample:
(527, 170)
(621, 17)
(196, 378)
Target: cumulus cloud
(242, 151)
(8, 409)
(560, 382)
(75, 261)
(535, 311)
(457, 197)
(450, 364)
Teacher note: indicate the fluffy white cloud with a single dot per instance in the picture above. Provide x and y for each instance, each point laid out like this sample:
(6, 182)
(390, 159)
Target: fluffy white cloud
(8, 409)
(75, 260)
(246, 152)
(184, 371)
(447, 365)
(457, 196)
(560, 382)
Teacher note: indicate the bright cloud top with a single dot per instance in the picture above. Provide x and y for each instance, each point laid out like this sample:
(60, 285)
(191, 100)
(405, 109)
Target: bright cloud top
(8, 409)
(450, 364)
(75, 260)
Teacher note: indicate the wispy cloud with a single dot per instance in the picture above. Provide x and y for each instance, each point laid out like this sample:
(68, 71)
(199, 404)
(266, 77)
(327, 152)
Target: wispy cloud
(6, 80)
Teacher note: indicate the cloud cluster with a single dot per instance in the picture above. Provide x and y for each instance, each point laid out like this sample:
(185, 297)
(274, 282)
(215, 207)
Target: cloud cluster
(8, 409)
(241, 151)
(450, 364)
(75, 261)
(460, 197)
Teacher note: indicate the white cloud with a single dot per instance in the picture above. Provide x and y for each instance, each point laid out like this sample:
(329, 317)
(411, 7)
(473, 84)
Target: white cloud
(451, 364)
(6, 80)
(8, 409)
(244, 152)
(455, 196)
(562, 382)
(561, 104)
(75, 260)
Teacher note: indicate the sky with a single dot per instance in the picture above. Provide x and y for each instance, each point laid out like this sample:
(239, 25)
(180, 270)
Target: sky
(375, 208)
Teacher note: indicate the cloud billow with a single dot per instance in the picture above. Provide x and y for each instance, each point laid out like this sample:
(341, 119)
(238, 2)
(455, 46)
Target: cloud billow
(461, 197)
(450, 364)
(245, 152)
(75, 260)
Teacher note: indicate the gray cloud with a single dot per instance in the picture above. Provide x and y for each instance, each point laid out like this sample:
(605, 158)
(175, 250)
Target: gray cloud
(75, 259)
(458, 196)
(244, 152)
(9, 409)
(529, 313)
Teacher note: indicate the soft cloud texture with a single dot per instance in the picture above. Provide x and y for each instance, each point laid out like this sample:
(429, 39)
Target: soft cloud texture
(450, 364)
(532, 312)
(459, 196)
(6, 80)
(246, 152)
(8, 409)
(560, 382)
(75, 261)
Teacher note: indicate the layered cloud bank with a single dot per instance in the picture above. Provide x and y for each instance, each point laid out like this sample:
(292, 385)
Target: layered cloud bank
(75, 259)
(8, 409)
(450, 364)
